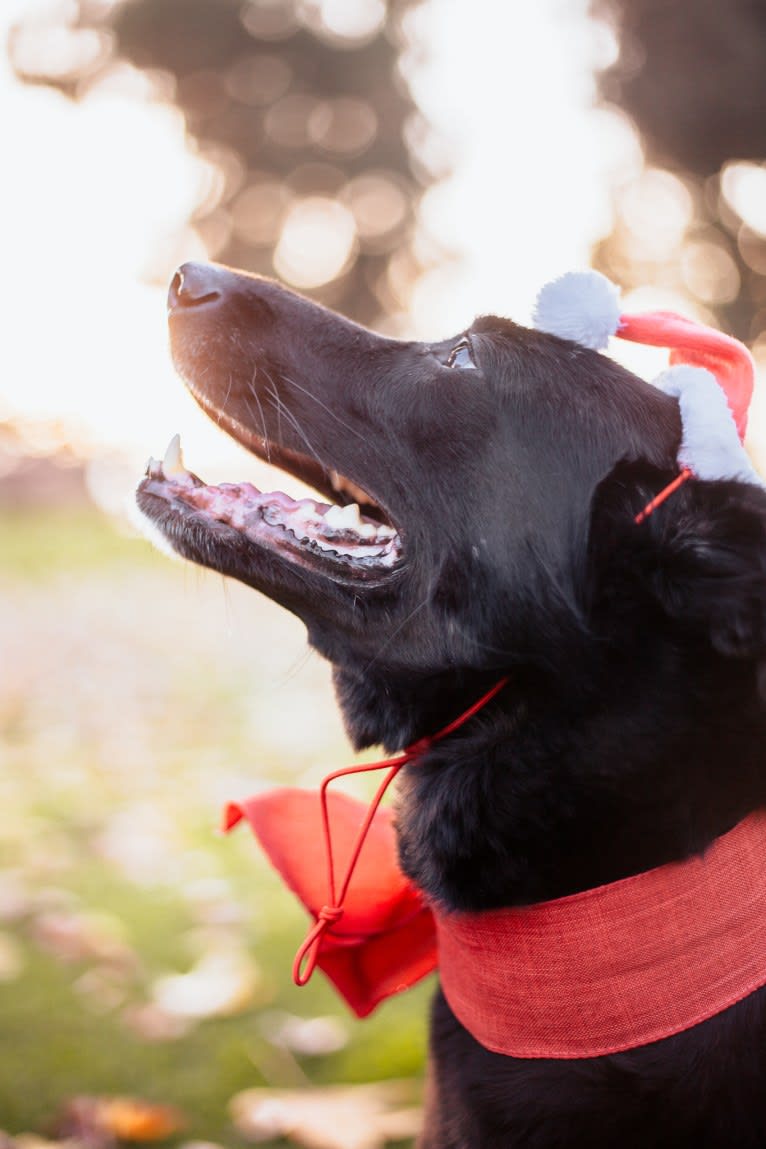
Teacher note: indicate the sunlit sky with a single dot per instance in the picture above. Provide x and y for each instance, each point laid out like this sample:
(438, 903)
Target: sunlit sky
(92, 192)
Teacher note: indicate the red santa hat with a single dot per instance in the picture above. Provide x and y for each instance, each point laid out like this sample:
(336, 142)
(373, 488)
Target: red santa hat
(711, 374)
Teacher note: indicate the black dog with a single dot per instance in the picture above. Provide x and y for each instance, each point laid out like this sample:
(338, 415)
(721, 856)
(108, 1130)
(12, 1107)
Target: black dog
(499, 474)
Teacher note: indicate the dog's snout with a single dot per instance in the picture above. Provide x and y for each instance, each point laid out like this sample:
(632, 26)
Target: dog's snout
(193, 285)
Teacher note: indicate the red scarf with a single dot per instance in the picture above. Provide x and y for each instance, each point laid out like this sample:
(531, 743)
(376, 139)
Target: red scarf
(615, 967)
(597, 972)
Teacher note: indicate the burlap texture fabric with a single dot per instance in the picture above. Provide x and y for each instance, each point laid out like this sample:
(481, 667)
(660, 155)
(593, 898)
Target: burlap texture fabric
(618, 966)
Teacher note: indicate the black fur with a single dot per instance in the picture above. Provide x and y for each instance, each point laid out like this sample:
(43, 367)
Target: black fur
(632, 729)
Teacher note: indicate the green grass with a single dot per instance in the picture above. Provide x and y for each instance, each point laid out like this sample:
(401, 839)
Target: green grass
(102, 719)
(55, 1047)
(46, 543)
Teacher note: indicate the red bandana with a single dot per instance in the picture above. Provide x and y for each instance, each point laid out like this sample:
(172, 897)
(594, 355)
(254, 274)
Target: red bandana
(385, 940)
(601, 971)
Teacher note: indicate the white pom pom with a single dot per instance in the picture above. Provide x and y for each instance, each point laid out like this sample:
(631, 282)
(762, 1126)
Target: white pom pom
(710, 445)
(581, 305)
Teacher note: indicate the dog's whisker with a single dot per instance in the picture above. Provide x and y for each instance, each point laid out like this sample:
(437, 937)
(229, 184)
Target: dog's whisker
(295, 424)
(226, 398)
(254, 392)
(252, 416)
(310, 395)
(276, 403)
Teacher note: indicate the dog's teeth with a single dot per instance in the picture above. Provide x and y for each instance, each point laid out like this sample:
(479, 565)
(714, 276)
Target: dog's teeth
(154, 468)
(331, 516)
(344, 517)
(173, 462)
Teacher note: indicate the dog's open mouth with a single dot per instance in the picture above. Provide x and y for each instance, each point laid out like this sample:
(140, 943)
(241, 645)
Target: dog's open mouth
(334, 537)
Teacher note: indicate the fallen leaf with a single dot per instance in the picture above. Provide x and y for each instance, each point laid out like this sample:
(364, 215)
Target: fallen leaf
(220, 984)
(104, 988)
(194, 1145)
(34, 1141)
(134, 1120)
(152, 1023)
(80, 936)
(100, 1121)
(332, 1117)
(308, 1036)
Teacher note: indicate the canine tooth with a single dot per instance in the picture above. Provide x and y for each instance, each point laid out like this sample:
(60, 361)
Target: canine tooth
(346, 487)
(173, 463)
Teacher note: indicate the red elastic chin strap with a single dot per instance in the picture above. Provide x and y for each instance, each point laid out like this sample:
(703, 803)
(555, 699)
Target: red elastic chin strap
(378, 937)
(664, 494)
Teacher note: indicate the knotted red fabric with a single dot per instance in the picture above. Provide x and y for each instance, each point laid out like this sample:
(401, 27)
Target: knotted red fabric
(384, 939)
(379, 937)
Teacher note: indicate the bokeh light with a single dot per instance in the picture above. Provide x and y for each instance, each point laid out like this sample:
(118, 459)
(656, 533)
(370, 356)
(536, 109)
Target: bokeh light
(272, 20)
(343, 23)
(344, 125)
(656, 208)
(258, 79)
(317, 242)
(744, 187)
(709, 272)
(380, 206)
(258, 211)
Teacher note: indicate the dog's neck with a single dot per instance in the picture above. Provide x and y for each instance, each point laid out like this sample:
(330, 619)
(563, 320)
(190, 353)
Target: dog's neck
(547, 796)
(393, 710)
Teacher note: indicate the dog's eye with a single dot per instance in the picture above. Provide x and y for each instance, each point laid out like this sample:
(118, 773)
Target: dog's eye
(461, 356)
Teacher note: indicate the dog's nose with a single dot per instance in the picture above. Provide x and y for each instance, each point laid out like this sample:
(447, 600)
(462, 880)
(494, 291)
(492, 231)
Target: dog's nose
(193, 285)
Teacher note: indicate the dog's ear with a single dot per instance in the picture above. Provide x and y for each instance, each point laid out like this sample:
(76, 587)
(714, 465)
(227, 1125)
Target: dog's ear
(700, 558)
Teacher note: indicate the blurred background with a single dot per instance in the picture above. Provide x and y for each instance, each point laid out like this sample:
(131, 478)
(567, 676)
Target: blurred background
(411, 163)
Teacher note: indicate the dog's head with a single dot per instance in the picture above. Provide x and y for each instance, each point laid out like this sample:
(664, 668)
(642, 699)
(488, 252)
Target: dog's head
(479, 464)
(474, 462)
(476, 517)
